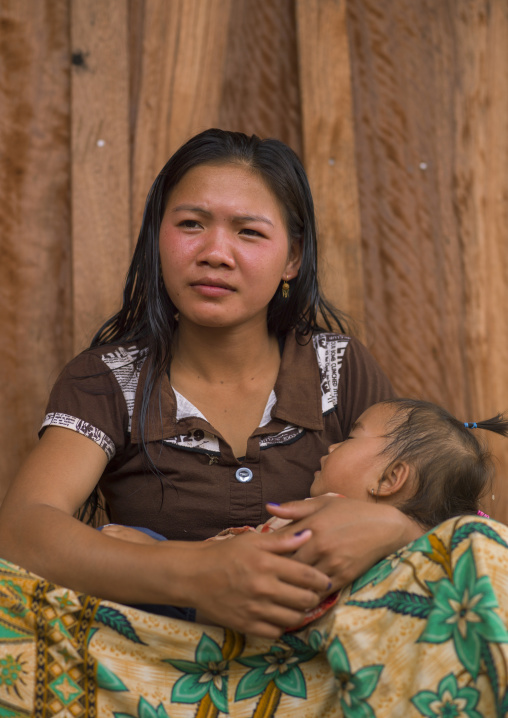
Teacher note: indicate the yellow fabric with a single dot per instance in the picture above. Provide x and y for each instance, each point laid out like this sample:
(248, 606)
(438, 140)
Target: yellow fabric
(423, 633)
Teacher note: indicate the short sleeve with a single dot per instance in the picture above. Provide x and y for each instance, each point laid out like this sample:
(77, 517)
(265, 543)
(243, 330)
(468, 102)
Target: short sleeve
(88, 399)
(362, 383)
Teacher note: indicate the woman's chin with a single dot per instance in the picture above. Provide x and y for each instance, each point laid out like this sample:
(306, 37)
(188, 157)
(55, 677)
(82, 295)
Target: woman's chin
(214, 319)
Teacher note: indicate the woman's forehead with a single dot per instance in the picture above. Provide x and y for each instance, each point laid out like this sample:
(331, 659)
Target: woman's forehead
(235, 177)
(233, 181)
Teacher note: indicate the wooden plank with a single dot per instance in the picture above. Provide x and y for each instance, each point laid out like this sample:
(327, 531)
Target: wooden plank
(329, 149)
(260, 91)
(199, 64)
(431, 102)
(101, 246)
(480, 199)
(402, 62)
(179, 79)
(35, 288)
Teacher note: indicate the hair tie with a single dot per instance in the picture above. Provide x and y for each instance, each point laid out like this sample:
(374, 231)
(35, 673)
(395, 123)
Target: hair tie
(481, 513)
(470, 424)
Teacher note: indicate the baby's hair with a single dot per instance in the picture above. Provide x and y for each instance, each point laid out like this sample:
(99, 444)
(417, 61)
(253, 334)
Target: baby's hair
(452, 468)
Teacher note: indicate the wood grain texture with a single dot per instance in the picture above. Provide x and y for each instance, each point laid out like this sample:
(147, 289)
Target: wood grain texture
(180, 49)
(429, 123)
(260, 91)
(329, 151)
(101, 246)
(200, 64)
(431, 108)
(35, 290)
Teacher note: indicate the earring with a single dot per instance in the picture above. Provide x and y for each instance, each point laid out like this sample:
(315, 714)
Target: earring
(285, 289)
(372, 492)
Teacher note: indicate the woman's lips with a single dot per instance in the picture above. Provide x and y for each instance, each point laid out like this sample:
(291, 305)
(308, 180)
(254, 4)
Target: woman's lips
(208, 288)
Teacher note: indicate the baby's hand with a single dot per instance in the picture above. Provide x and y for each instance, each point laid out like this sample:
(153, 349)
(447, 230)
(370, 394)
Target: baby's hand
(126, 533)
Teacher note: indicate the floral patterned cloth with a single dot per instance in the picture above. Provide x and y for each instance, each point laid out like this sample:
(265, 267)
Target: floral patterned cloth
(423, 633)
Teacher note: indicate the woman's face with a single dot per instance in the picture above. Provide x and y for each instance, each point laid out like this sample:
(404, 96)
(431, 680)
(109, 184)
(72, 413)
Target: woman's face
(354, 467)
(224, 246)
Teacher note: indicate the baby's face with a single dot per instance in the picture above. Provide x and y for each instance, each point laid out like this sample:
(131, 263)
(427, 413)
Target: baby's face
(354, 466)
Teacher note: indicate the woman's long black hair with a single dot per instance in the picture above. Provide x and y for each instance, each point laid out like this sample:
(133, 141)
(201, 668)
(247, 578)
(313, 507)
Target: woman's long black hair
(148, 314)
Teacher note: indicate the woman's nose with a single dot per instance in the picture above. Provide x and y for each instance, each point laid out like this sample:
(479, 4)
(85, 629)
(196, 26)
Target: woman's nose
(217, 248)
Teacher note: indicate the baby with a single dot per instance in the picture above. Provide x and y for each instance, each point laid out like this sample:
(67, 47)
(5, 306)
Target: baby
(411, 454)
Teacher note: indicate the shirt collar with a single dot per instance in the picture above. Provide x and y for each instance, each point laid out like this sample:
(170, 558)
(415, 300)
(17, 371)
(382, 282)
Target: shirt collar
(298, 385)
(297, 391)
(161, 421)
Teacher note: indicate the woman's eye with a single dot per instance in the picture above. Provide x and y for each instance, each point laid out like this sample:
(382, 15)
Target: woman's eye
(251, 232)
(189, 224)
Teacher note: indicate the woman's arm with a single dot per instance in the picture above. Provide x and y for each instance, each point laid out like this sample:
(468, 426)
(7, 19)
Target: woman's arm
(247, 584)
(348, 536)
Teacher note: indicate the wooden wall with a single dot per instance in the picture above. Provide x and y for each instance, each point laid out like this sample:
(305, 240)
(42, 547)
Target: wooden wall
(398, 108)
(430, 94)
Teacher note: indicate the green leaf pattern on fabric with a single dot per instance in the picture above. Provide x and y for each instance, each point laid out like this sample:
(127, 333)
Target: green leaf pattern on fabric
(117, 621)
(408, 604)
(279, 666)
(108, 680)
(449, 701)
(460, 607)
(145, 710)
(207, 675)
(437, 599)
(353, 688)
(464, 612)
(463, 532)
(384, 568)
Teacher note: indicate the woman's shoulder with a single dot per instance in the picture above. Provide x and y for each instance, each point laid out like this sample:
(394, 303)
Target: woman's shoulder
(329, 348)
(112, 357)
(96, 392)
(348, 369)
(322, 340)
(337, 347)
(104, 369)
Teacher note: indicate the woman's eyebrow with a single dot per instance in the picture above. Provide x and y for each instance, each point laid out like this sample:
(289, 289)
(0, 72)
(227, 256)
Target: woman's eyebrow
(253, 218)
(191, 208)
(238, 219)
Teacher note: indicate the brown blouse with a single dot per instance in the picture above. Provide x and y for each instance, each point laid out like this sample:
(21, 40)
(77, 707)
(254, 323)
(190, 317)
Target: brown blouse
(322, 388)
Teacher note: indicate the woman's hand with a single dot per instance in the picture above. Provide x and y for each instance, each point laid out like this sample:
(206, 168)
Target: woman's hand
(249, 585)
(127, 533)
(348, 537)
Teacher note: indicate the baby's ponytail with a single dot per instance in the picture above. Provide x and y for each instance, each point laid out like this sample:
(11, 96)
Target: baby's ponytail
(498, 424)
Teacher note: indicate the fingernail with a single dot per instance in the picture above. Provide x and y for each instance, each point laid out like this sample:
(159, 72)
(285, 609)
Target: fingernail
(272, 503)
(299, 533)
(329, 586)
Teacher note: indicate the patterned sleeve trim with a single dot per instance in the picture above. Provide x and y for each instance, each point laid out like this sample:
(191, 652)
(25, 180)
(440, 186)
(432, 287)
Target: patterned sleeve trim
(81, 427)
(330, 350)
(126, 363)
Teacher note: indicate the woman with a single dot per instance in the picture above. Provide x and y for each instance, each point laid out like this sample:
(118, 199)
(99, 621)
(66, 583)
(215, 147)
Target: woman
(213, 391)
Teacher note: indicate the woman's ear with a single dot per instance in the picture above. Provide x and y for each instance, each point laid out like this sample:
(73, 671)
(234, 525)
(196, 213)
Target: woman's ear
(294, 259)
(394, 479)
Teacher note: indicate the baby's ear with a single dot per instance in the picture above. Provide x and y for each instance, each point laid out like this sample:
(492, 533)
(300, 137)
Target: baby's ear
(394, 479)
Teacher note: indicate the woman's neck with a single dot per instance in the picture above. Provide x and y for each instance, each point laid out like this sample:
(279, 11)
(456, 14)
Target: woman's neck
(230, 355)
